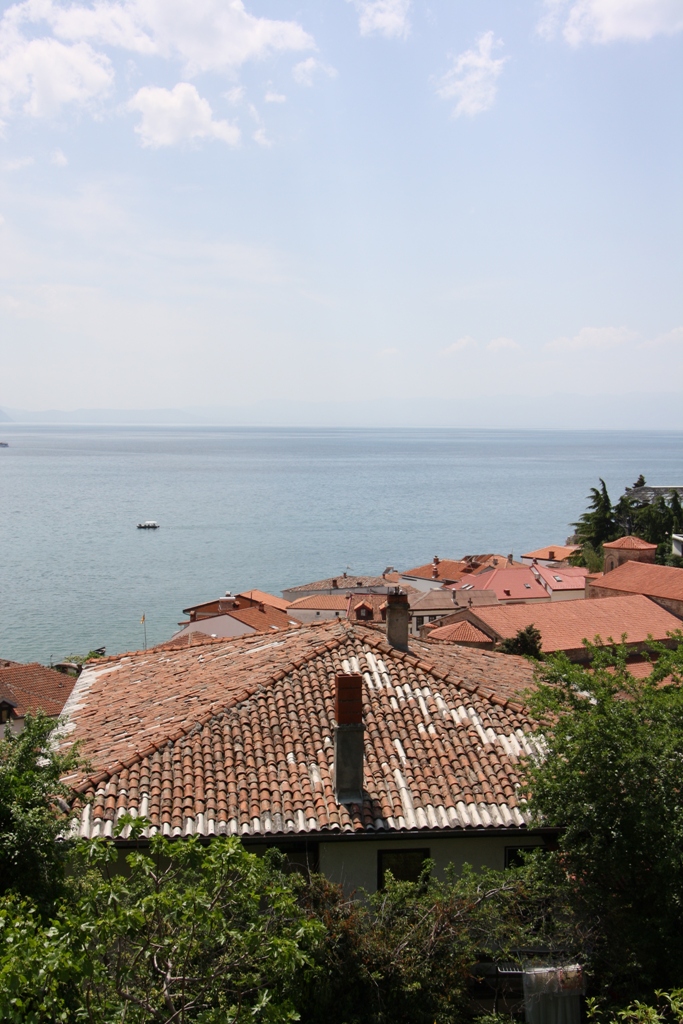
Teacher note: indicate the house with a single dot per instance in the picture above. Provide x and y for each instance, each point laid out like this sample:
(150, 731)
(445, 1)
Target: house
(25, 689)
(551, 555)
(319, 607)
(661, 583)
(346, 748)
(563, 626)
(562, 582)
(237, 616)
(509, 584)
(429, 606)
(337, 584)
(443, 571)
(627, 549)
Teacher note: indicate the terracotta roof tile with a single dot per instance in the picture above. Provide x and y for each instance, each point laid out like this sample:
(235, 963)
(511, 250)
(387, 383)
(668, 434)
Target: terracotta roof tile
(629, 544)
(516, 583)
(565, 624)
(443, 569)
(320, 602)
(237, 736)
(261, 597)
(33, 687)
(642, 578)
(554, 552)
(460, 632)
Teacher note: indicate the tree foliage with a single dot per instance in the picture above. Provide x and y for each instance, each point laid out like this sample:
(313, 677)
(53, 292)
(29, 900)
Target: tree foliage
(34, 817)
(612, 780)
(186, 933)
(653, 520)
(526, 641)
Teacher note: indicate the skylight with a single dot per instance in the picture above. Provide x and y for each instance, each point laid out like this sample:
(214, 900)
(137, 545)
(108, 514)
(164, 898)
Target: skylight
(558, 578)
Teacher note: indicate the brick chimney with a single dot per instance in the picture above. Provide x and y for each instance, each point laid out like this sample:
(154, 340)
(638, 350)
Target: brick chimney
(348, 739)
(398, 619)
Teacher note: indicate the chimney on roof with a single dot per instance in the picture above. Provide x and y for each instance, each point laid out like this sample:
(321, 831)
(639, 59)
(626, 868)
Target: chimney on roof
(335, 585)
(348, 739)
(510, 559)
(398, 618)
(551, 555)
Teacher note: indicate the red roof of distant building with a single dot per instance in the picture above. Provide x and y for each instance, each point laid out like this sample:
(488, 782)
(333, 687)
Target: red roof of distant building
(459, 633)
(554, 552)
(565, 577)
(508, 584)
(564, 625)
(630, 544)
(263, 618)
(33, 687)
(262, 597)
(321, 602)
(645, 578)
(440, 569)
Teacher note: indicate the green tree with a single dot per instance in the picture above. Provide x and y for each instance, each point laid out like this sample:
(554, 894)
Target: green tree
(34, 815)
(526, 641)
(188, 932)
(612, 780)
(597, 524)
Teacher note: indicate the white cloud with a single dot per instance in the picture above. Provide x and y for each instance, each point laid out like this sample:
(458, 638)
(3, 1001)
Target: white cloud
(235, 95)
(387, 17)
(304, 72)
(47, 74)
(502, 345)
(674, 337)
(58, 158)
(606, 21)
(274, 97)
(592, 338)
(17, 164)
(52, 54)
(459, 345)
(472, 79)
(207, 35)
(172, 116)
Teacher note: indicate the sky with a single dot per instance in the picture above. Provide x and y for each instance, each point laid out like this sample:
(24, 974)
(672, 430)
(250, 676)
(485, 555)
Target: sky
(217, 204)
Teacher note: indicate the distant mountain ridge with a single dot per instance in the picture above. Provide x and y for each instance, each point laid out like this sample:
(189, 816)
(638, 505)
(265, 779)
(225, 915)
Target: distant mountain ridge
(540, 410)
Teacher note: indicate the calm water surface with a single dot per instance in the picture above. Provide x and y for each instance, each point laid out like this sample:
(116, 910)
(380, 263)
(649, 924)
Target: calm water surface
(268, 508)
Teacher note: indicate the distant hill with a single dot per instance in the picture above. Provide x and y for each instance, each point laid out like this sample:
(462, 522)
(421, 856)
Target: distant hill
(4, 418)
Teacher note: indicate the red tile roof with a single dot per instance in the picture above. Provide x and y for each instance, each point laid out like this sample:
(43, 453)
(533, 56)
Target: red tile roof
(342, 583)
(564, 625)
(554, 552)
(643, 578)
(443, 569)
(630, 544)
(263, 618)
(565, 577)
(261, 597)
(508, 584)
(459, 633)
(321, 602)
(237, 736)
(33, 687)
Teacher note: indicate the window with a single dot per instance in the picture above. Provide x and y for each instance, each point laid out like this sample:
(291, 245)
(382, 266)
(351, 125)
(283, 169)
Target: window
(514, 855)
(419, 621)
(558, 579)
(405, 865)
(528, 586)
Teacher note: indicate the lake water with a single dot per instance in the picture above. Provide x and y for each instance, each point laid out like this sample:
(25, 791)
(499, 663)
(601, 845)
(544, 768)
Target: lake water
(242, 508)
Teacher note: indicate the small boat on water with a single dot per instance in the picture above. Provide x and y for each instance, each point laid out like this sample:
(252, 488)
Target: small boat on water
(4, 444)
(149, 524)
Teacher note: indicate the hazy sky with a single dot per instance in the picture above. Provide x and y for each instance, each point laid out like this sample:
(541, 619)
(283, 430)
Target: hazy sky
(211, 202)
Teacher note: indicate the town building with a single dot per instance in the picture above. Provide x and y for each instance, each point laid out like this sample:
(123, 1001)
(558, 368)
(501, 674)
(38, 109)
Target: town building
(441, 572)
(341, 584)
(251, 612)
(319, 607)
(510, 584)
(348, 749)
(562, 582)
(563, 626)
(551, 555)
(661, 583)
(627, 549)
(26, 689)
